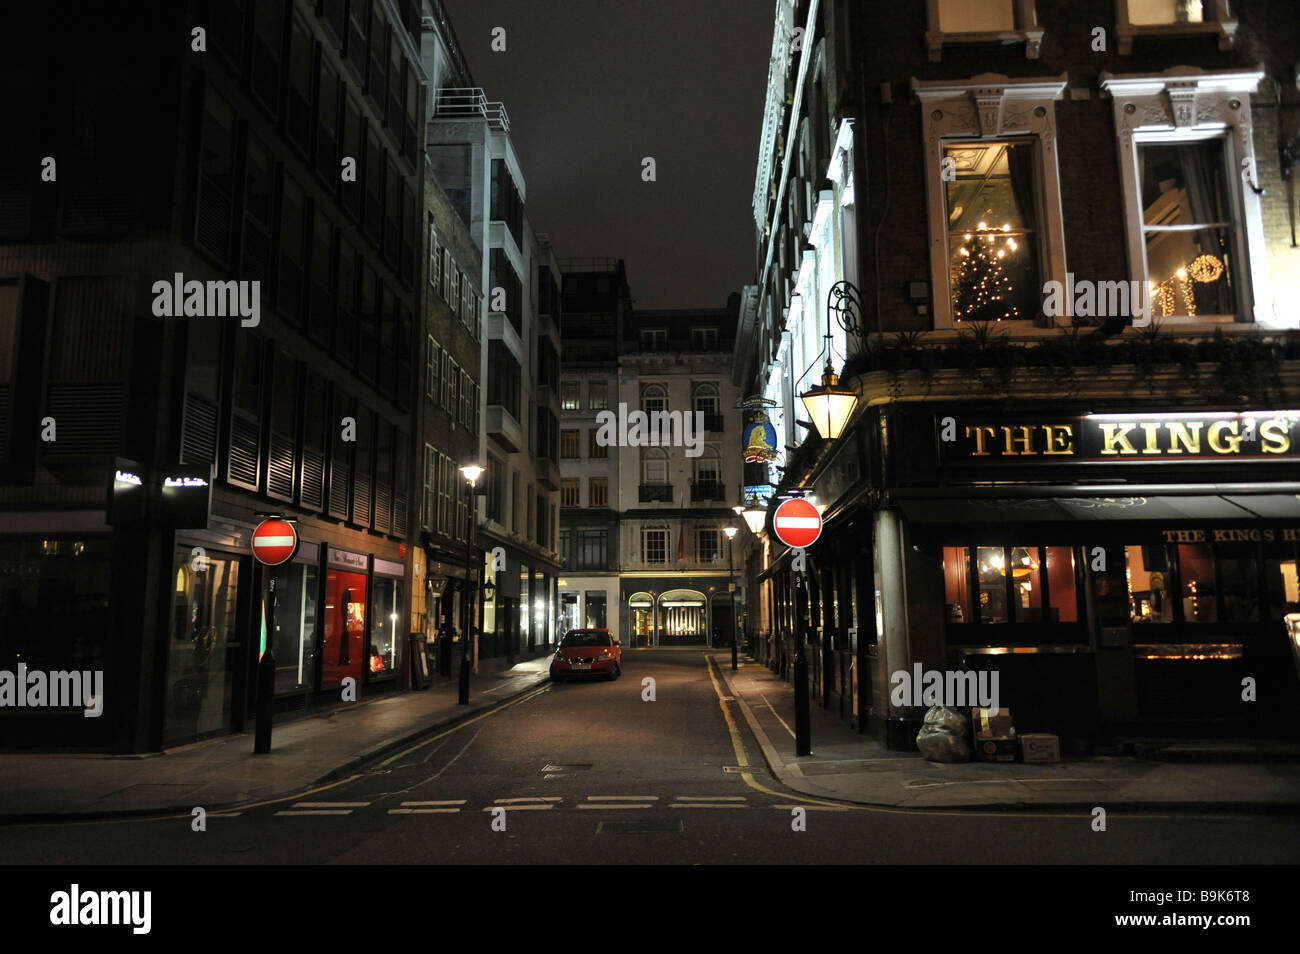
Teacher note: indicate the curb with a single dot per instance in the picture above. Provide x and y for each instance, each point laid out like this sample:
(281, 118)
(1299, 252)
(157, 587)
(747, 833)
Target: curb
(340, 771)
(789, 781)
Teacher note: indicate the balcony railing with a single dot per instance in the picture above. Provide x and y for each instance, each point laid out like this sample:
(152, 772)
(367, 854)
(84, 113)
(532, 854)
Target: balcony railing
(708, 491)
(471, 102)
(656, 492)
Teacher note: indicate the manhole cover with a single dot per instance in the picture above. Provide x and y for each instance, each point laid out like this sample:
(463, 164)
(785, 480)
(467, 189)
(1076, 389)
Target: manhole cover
(648, 826)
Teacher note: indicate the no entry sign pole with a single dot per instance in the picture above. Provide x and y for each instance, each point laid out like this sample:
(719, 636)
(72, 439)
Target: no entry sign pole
(275, 542)
(798, 524)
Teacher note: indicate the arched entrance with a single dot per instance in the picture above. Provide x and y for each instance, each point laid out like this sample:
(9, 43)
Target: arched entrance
(683, 618)
(641, 618)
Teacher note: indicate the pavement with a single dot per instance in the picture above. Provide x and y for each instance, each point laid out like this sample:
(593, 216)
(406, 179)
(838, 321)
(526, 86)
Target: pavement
(845, 766)
(223, 772)
(1185, 776)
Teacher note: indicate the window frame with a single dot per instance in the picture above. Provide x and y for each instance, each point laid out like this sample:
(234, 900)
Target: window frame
(645, 549)
(972, 111)
(1025, 29)
(1180, 108)
(570, 441)
(1221, 24)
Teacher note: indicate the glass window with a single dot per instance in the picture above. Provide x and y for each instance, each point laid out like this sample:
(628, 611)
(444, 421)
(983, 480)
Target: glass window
(594, 447)
(1160, 12)
(706, 545)
(294, 633)
(345, 627)
(707, 399)
(654, 467)
(595, 605)
(1187, 227)
(385, 656)
(435, 257)
(654, 397)
(992, 231)
(1196, 572)
(654, 546)
(569, 493)
(1281, 579)
(597, 395)
(1027, 584)
(991, 563)
(598, 492)
(257, 183)
(654, 339)
(956, 577)
(569, 396)
(200, 660)
(1239, 577)
(1060, 581)
(704, 339)
(291, 212)
(591, 549)
(568, 443)
(976, 16)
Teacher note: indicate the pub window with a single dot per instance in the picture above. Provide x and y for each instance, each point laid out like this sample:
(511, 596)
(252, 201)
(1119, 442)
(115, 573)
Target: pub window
(1281, 581)
(1148, 585)
(1196, 581)
(1188, 228)
(1239, 581)
(993, 231)
(1011, 585)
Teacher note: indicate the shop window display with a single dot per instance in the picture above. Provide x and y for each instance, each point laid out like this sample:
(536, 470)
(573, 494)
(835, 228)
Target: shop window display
(293, 638)
(1015, 586)
(386, 623)
(345, 627)
(202, 648)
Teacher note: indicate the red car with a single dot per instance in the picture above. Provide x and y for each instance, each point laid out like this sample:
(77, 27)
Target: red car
(583, 652)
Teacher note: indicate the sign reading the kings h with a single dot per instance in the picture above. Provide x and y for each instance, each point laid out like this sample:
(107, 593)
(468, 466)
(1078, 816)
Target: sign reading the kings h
(1119, 438)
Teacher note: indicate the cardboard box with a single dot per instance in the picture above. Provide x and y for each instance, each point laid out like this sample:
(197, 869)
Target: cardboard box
(996, 749)
(1040, 747)
(995, 727)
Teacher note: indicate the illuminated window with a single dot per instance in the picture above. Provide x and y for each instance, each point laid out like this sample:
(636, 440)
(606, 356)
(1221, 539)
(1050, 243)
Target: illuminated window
(570, 491)
(1196, 575)
(570, 398)
(597, 395)
(1148, 585)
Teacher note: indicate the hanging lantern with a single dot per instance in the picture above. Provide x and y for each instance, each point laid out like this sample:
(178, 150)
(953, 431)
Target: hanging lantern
(829, 405)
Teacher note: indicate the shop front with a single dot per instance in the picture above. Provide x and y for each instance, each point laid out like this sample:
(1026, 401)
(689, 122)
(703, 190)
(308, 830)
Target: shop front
(1123, 572)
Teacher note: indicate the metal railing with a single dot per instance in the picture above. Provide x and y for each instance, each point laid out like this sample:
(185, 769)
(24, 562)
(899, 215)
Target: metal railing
(472, 101)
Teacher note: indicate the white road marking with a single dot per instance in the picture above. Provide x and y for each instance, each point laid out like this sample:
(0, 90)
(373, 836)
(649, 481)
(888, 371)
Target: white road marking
(622, 798)
(347, 811)
(450, 801)
(423, 811)
(536, 798)
(330, 804)
(706, 805)
(710, 798)
(811, 808)
(519, 808)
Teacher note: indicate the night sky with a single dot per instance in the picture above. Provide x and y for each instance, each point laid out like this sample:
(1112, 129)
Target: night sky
(593, 86)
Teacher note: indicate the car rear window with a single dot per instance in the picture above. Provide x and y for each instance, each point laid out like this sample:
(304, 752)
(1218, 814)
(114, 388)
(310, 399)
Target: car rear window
(585, 637)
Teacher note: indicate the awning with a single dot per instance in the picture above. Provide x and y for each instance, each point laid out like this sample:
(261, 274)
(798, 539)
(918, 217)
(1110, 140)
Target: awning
(1038, 510)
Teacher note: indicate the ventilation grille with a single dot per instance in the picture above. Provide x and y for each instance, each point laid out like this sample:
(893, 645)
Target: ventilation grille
(361, 500)
(383, 506)
(88, 420)
(339, 488)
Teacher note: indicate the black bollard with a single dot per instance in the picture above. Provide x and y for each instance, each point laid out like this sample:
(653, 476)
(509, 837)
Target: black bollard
(802, 713)
(464, 673)
(734, 663)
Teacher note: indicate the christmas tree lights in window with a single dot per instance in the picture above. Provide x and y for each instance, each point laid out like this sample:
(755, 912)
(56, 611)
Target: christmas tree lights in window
(982, 289)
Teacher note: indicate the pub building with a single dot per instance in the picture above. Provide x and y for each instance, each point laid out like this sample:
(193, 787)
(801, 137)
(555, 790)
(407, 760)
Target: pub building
(1127, 566)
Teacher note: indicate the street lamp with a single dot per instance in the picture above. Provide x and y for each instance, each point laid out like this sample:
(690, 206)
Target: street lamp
(731, 562)
(755, 517)
(830, 406)
(471, 472)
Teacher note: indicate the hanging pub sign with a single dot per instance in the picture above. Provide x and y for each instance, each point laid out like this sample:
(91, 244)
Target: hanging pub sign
(759, 437)
(1139, 437)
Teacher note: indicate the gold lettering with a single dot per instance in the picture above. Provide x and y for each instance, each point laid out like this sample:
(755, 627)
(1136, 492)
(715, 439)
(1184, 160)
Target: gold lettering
(1170, 535)
(1153, 442)
(1024, 440)
(1233, 443)
(1059, 436)
(1268, 534)
(1290, 534)
(1221, 536)
(979, 439)
(1110, 436)
(1178, 435)
(1273, 434)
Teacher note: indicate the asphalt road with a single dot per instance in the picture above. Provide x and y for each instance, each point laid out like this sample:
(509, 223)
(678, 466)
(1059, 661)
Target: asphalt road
(592, 773)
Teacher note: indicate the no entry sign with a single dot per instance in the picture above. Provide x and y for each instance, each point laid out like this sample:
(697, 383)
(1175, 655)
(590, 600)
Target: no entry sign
(275, 542)
(797, 523)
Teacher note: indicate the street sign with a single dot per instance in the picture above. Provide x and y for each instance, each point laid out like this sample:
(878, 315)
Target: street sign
(275, 542)
(797, 523)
